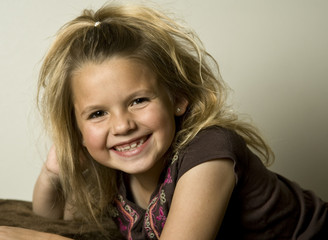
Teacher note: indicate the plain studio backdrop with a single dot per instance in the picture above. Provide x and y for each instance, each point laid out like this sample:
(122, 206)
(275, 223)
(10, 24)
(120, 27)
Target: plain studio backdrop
(272, 53)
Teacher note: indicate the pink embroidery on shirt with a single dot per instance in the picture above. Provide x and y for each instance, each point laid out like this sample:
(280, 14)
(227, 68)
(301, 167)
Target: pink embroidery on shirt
(168, 178)
(151, 220)
(129, 214)
(161, 217)
(123, 228)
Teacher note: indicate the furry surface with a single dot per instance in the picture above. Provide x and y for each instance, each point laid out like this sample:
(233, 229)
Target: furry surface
(17, 213)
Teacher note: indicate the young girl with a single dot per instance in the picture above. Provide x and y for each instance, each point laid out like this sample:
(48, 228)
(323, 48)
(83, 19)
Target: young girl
(137, 112)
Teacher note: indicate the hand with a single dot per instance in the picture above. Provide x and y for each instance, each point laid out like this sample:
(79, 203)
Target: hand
(15, 233)
(52, 165)
(52, 162)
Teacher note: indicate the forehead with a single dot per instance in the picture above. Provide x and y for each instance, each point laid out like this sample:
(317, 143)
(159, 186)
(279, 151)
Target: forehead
(119, 74)
(114, 64)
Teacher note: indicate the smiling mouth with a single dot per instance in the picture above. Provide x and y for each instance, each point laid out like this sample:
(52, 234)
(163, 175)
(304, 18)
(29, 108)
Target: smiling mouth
(130, 146)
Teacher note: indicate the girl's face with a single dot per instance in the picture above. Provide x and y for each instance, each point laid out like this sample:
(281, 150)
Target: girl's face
(126, 118)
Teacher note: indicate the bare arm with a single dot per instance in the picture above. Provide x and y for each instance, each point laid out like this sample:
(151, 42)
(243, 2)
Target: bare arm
(48, 200)
(14, 233)
(200, 201)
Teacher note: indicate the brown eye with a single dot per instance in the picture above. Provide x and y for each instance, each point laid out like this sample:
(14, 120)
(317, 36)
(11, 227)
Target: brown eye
(97, 114)
(139, 101)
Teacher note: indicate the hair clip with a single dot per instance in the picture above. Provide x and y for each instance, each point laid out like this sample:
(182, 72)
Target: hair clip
(97, 23)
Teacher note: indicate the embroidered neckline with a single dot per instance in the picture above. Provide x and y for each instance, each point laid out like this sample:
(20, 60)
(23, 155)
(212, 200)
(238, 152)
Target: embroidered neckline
(153, 214)
(175, 157)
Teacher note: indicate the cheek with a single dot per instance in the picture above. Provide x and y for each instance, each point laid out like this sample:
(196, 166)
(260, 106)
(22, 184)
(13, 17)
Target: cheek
(155, 118)
(163, 122)
(94, 138)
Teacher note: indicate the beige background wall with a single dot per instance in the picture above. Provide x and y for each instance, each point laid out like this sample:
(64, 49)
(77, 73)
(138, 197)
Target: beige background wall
(274, 54)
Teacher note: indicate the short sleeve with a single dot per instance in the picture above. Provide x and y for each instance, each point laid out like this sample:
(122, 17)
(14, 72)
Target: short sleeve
(210, 144)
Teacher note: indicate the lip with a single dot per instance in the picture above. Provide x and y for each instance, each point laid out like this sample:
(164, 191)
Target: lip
(130, 153)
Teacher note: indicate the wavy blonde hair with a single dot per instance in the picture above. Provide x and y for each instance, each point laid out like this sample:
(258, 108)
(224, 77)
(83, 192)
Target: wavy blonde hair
(181, 64)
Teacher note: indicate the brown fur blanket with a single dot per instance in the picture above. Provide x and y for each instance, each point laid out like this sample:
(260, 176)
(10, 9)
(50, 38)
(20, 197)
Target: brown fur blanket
(17, 213)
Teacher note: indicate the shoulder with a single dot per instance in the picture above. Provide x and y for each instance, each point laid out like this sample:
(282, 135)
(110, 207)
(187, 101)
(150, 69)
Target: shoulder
(215, 136)
(211, 143)
(205, 183)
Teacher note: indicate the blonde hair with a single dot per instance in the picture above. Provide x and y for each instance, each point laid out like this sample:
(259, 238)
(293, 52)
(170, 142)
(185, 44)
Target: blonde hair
(181, 64)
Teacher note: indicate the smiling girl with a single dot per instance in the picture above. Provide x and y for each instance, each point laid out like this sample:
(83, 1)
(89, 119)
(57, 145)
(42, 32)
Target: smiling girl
(137, 112)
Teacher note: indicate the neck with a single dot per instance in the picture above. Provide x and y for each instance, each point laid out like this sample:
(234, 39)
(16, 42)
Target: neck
(143, 185)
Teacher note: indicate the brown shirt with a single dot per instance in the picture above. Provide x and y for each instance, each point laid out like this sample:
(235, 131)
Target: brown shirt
(264, 205)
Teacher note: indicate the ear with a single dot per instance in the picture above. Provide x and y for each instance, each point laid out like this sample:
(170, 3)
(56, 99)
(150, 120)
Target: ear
(180, 106)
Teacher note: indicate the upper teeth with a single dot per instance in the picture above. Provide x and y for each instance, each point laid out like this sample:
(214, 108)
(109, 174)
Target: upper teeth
(130, 146)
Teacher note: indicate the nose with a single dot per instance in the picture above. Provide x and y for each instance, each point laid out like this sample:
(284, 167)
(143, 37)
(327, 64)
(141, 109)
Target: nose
(122, 123)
